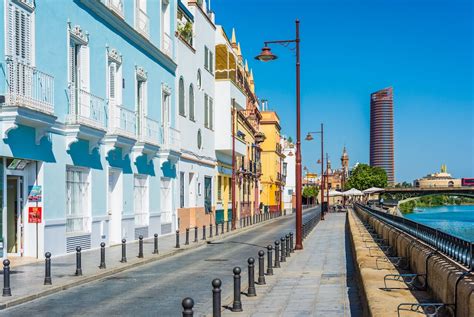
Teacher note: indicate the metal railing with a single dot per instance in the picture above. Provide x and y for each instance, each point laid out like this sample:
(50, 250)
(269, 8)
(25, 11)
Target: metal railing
(28, 87)
(123, 121)
(171, 138)
(116, 6)
(142, 22)
(167, 44)
(148, 130)
(459, 250)
(86, 108)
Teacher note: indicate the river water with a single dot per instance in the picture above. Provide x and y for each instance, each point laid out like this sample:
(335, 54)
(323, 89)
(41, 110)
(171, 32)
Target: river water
(455, 220)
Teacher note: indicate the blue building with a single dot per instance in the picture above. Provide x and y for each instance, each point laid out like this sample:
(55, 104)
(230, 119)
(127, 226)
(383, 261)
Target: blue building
(89, 146)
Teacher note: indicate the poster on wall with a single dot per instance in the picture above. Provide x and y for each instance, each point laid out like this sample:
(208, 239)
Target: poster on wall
(34, 214)
(35, 193)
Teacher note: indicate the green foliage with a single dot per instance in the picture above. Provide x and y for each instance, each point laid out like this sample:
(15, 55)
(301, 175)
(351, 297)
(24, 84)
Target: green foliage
(290, 139)
(365, 176)
(434, 201)
(403, 185)
(310, 191)
(186, 31)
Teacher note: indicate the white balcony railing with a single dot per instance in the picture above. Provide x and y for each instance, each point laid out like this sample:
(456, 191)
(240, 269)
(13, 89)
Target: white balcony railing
(142, 22)
(28, 87)
(86, 108)
(116, 6)
(171, 138)
(167, 45)
(148, 130)
(122, 121)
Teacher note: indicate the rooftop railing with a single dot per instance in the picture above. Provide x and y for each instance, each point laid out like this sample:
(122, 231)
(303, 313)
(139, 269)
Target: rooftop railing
(459, 250)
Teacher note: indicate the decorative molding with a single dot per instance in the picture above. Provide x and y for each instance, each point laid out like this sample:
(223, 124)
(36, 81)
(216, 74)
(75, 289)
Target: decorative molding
(78, 34)
(114, 55)
(166, 88)
(142, 75)
(28, 5)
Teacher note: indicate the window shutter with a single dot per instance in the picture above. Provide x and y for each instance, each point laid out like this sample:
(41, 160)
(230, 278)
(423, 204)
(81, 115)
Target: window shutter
(71, 63)
(84, 68)
(11, 30)
(211, 110)
(181, 97)
(206, 100)
(112, 80)
(191, 102)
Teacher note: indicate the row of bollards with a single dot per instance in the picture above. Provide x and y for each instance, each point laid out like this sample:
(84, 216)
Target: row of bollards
(245, 221)
(286, 243)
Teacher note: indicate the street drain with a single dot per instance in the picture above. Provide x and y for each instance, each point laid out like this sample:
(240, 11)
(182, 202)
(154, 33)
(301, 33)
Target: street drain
(216, 260)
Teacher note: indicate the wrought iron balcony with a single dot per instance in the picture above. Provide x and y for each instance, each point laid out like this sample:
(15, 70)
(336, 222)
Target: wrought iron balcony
(86, 109)
(148, 130)
(142, 22)
(123, 121)
(28, 87)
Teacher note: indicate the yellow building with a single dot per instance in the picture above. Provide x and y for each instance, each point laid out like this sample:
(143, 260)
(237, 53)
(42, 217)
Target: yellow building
(440, 180)
(233, 72)
(271, 156)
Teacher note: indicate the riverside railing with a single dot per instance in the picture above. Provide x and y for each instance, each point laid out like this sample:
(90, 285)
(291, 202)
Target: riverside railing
(459, 250)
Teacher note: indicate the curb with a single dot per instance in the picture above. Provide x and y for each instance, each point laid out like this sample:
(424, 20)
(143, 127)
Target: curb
(132, 265)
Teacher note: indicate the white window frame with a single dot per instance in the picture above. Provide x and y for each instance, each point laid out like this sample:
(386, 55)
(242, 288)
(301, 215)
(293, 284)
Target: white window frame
(82, 218)
(141, 211)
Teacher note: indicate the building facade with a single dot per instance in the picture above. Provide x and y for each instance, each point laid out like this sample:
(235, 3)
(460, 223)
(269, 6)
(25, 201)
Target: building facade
(289, 169)
(441, 179)
(271, 181)
(90, 143)
(381, 132)
(195, 98)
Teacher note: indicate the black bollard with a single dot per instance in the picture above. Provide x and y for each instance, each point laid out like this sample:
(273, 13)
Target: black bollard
(102, 256)
(195, 234)
(204, 232)
(188, 305)
(240, 225)
(237, 304)
(6, 278)
(222, 227)
(261, 267)
(187, 237)
(210, 230)
(140, 246)
(47, 269)
(177, 246)
(155, 244)
(287, 249)
(251, 292)
(228, 225)
(217, 229)
(216, 297)
(78, 261)
(283, 251)
(292, 250)
(277, 254)
(269, 260)
(124, 251)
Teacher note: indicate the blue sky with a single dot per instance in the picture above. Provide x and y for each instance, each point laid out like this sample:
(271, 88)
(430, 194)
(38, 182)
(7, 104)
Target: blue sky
(351, 48)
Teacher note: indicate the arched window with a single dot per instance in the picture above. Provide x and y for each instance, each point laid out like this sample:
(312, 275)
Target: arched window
(191, 102)
(199, 79)
(450, 184)
(182, 110)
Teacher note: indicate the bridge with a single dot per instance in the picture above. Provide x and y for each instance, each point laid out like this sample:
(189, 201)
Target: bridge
(399, 194)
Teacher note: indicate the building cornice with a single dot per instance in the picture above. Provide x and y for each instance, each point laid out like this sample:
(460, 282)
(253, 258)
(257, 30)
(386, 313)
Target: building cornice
(194, 4)
(130, 33)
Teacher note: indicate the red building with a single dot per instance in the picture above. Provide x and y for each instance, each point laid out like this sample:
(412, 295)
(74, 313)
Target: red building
(381, 132)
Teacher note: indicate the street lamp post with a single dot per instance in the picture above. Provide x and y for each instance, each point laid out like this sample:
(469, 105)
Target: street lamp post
(265, 56)
(309, 137)
(327, 179)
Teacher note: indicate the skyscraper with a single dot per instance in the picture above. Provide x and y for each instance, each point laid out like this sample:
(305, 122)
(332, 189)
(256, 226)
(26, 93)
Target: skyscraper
(381, 132)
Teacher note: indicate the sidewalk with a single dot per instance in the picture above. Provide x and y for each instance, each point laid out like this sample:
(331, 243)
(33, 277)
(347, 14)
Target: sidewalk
(317, 281)
(27, 280)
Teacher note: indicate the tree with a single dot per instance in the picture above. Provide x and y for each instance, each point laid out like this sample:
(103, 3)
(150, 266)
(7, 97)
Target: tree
(290, 139)
(310, 192)
(365, 176)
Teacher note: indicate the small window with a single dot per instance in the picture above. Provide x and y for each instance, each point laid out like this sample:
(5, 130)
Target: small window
(206, 58)
(211, 114)
(211, 62)
(191, 102)
(181, 97)
(199, 139)
(199, 79)
(206, 110)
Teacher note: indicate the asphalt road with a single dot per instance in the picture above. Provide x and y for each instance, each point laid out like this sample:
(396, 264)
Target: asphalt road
(157, 289)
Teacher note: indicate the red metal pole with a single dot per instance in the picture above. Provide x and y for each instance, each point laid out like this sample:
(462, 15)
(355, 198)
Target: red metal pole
(234, 205)
(322, 171)
(299, 211)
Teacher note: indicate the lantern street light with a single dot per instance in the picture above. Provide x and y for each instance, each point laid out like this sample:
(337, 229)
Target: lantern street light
(265, 56)
(309, 137)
